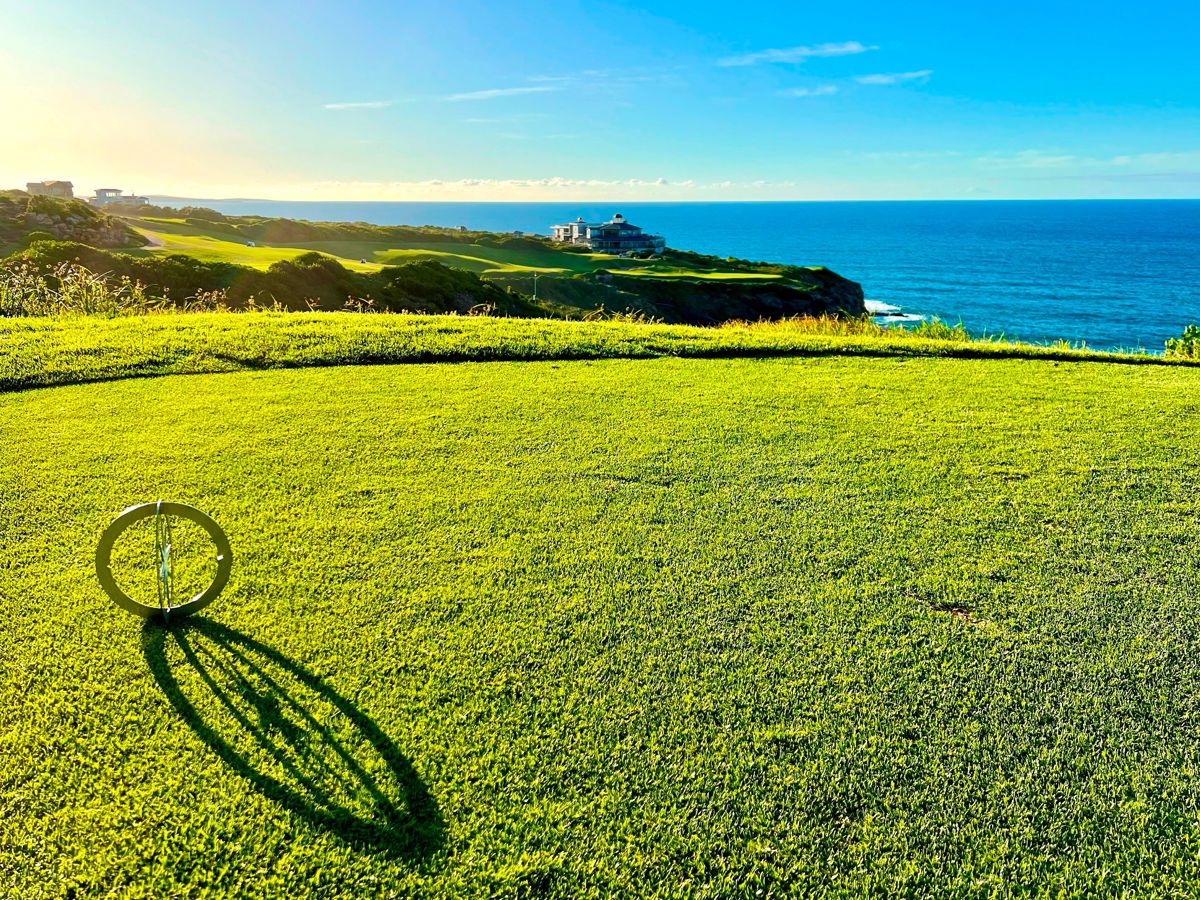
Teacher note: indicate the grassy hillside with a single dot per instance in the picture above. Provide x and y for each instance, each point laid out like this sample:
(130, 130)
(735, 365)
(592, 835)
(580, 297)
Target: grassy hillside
(678, 627)
(25, 217)
(703, 289)
(189, 255)
(64, 277)
(256, 242)
(63, 350)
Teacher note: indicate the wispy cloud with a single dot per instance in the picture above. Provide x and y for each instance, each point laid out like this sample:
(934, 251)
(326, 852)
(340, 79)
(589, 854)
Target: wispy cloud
(514, 119)
(522, 136)
(821, 90)
(358, 104)
(796, 54)
(611, 80)
(1028, 159)
(906, 154)
(493, 93)
(895, 77)
(1141, 164)
(478, 189)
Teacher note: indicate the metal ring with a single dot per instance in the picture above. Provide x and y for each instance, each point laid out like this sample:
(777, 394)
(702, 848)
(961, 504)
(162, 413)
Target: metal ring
(145, 510)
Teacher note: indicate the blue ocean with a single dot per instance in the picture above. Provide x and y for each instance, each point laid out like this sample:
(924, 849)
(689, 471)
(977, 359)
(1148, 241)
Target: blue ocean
(1111, 273)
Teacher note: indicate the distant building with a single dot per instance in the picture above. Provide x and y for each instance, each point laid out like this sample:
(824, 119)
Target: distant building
(115, 196)
(64, 190)
(614, 236)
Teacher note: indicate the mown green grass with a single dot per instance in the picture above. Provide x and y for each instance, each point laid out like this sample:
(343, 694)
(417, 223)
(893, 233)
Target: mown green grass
(215, 244)
(677, 272)
(60, 350)
(210, 248)
(657, 627)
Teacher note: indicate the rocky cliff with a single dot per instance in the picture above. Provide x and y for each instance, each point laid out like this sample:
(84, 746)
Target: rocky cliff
(23, 215)
(705, 301)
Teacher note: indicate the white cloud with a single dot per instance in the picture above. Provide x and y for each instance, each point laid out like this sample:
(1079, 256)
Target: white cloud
(485, 189)
(522, 136)
(523, 118)
(1059, 164)
(796, 54)
(493, 93)
(907, 154)
(895, 77)
(359, 104)
(821, 90)
(1028, 159)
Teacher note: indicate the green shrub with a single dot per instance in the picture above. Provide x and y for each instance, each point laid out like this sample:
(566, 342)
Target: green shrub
(310, 281)
(35, 237)
(1187, 346)
(71, 289)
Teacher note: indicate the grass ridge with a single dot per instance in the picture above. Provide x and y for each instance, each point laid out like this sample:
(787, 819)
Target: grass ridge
(73, 350)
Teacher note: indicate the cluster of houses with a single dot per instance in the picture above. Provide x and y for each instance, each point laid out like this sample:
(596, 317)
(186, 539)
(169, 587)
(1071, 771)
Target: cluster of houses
(65, 190)
(615, 236)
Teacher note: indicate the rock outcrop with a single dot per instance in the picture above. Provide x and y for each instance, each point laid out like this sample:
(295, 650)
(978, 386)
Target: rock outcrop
(22, 215)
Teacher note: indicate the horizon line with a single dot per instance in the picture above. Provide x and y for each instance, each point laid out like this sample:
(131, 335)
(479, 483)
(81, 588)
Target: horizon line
(628, 200)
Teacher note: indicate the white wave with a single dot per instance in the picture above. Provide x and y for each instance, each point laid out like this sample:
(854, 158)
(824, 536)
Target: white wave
(879, 308)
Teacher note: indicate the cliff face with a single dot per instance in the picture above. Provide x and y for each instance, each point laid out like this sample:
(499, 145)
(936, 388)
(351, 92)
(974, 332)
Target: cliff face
(710, 301)
(22, 214)
(840, 294)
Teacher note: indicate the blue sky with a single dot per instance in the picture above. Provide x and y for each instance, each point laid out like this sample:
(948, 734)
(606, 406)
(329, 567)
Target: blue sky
(599, 101)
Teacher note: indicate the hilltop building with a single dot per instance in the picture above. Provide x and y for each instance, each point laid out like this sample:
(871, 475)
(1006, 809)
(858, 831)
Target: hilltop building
(64, 190)
(115, 196)
(614, 236)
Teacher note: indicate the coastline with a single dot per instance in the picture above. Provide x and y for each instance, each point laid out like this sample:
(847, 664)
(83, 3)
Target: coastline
(1113, 274)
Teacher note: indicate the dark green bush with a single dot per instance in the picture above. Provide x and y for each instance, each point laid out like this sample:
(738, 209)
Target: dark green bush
(311, 280)
(1186, 346)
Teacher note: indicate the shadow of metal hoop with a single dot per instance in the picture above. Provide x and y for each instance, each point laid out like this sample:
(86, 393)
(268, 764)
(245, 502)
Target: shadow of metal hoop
(144, 511)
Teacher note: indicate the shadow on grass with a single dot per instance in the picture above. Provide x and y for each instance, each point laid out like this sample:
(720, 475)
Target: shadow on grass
(182, 362)
(294, 738)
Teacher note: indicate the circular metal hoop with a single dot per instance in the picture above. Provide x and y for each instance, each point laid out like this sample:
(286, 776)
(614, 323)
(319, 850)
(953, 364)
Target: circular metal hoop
(143, 511)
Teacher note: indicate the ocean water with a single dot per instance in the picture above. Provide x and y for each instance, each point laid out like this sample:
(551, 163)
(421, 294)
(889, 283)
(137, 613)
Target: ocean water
(1111, 273)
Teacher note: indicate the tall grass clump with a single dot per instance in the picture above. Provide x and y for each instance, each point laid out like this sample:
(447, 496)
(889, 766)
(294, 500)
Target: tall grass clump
(71, 289)
(1186, 346)
(937, 330)
(860, 326)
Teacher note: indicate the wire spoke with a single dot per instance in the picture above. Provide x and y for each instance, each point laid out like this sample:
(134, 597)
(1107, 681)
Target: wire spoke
(163, 562)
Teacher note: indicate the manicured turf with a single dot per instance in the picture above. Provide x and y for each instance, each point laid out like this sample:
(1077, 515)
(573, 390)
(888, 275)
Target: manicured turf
(178, 238)
(675, 272)
(216, 245)
(704, 628)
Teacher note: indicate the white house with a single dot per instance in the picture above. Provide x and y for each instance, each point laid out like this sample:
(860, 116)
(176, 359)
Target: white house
(105, 196)
(64, 190)
(614, 236)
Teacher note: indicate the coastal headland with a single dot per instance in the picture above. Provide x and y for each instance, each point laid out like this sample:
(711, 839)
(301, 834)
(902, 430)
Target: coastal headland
(293, 264)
